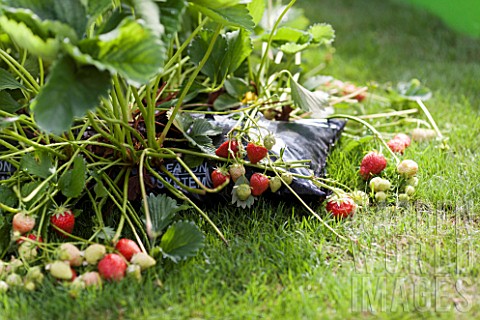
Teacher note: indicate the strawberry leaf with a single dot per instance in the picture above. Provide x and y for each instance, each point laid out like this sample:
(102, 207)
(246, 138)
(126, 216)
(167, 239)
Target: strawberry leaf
(7, 81)
(72, 182)
(7, 103)
(198, 131)
(70, 92)
(39, 164)
(182, 239)
(233, 15)
(162, 210)
(308, 101)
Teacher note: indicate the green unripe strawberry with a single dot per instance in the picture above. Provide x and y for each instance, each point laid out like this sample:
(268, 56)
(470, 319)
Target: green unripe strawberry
(35, 274)
(403, 197)
(287, 177)
(243, 191)
(275, 183)
(29, 286)
(380, 196)
(143, 260)
(269, 141)
(94, 253)
(61, 270)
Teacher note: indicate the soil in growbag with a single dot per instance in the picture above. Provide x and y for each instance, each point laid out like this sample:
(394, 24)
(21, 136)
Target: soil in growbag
(311, 139)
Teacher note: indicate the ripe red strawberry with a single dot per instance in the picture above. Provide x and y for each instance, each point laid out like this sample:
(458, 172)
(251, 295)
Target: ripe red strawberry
(219, 176)
(31, 236)
(236, 170)
(112, 267)
(373, 163)
(127, 248)
(63, 219)
(256, 152)
(259, 183)
(341, 207)
(223, 150)
(22, 222)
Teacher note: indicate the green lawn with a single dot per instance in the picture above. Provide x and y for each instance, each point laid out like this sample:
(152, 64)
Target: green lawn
(420, 261)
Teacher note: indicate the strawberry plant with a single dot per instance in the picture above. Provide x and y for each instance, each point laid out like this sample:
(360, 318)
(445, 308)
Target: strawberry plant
(108, 106)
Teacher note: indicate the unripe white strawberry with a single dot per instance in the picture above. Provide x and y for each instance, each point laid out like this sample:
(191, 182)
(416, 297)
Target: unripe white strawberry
(380, 196)
(409, 190)
(35, 274)
(360, 198)
(61, 270)
(423, 135)
(412, 181)
(13, 280)
(69, 252)
(91, 279)
(379, 184)
(3, 286)
(407, 168)
(94, 253)
(236, 171)
(134, 272)
(27, 251)
(143, 260)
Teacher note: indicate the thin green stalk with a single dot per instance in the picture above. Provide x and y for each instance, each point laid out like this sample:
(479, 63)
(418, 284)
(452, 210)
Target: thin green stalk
(123, 107)
(429, 117)
(269, 43)
(186, 43)
(124, 207)
(20, 71)
(377, 134)
(193, 76)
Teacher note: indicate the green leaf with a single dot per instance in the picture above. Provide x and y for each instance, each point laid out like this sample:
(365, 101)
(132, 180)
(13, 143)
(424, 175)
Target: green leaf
(7, 103)
(322, 33)
(171, 13)
(309, 101)
(256, 9)
(69, 13)
(413, 90)
(72, 182)
(70, 92)
(7, 81)
(286, 34)
(237, 15)
(197, 131)
(225, 102)
(236, 87)
(239, 47)
(5, 232)
(149, 12)
(292, 48)
(183, 239)
(130, 50)
(162, 211)
(25, 38)
(7, 196)
(230, 50)
(96, 7)
(219, 4)
(38, 164)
